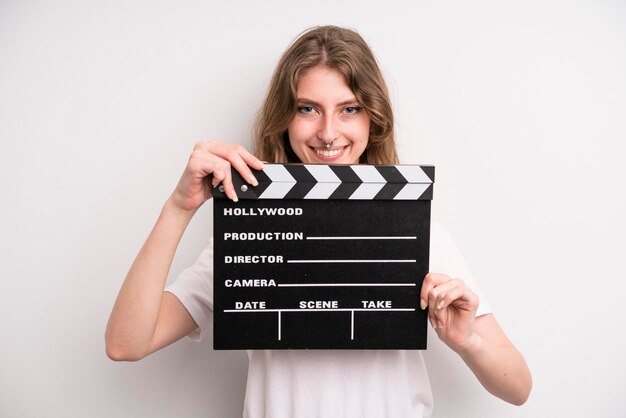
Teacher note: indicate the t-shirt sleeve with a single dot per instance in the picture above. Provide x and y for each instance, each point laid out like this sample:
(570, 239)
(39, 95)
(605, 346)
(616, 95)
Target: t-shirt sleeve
(446, 258)
(194, 288)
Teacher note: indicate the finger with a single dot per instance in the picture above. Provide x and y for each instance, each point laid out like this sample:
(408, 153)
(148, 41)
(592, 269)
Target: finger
(457, 297)
(454, 290)
(220, 170)
(431, 280)
(251, 160)
(227, 182)
(427, 284)
(433, 321)
(236, 159)
(438, 298)
(437, 295)
(239, 158)
(432, 318)
(447, 293)
(218, 177)
(440, 317)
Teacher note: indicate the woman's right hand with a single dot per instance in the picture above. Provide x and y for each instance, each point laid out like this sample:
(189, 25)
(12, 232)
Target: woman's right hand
(209, 164)
(144, 318)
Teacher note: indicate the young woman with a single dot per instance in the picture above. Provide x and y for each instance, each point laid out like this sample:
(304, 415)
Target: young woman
(327, 103)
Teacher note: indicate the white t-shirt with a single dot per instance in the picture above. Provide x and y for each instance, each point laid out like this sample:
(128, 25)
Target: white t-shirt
(329, 383)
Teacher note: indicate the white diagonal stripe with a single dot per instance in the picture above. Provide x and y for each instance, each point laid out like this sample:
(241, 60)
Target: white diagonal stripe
(278, 172)
(276, 190)
(322, 191)
(413, 174)
(411, 191)
(367, 191)
(368, 173)
(322, 173)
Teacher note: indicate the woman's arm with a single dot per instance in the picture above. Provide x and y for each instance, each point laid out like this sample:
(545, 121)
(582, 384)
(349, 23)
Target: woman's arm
(497, 364)
(144, 318)
(480, 342)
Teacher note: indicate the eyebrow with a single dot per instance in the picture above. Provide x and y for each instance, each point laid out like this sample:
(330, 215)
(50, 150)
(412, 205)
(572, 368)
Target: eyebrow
(313, 102)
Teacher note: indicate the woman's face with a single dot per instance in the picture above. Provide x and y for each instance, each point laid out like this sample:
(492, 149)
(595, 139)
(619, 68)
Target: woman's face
(327, 112)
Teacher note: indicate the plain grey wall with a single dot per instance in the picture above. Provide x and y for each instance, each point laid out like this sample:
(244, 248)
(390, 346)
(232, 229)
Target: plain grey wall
(521, 105)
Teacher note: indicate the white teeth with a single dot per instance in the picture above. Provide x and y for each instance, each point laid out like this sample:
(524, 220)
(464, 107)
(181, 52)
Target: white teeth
(328, 153)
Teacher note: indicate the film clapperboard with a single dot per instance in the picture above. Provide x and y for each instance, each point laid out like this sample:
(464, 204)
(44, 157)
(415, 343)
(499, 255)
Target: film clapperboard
(323, 257)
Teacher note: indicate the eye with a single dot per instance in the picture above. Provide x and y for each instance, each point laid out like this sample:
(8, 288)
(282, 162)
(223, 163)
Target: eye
(351, 110)
(306, 109)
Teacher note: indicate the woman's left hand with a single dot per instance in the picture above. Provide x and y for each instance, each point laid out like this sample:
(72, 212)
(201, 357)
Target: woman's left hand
(452, 309)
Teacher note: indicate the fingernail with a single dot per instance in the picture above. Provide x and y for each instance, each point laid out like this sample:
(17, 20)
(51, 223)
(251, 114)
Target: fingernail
(432, 324)
(253, 181)
(235, 199)
(422, 304)
(440, 304)
(440, 325)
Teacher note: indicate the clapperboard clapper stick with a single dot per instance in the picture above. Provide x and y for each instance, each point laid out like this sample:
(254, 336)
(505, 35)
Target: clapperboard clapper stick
(320, 257)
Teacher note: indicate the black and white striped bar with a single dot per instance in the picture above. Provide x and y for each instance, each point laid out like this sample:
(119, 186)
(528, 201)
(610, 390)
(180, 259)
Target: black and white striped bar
(337, 182)
(322, 257)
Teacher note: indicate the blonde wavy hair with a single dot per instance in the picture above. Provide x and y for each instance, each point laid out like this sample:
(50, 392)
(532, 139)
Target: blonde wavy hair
(345, 51)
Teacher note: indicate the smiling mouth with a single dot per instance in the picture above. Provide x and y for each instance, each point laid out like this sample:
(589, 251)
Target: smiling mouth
(329, 153)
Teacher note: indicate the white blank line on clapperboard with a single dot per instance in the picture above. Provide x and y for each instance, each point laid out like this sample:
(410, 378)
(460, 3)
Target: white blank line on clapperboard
(346, 284)
(356, 261)
(351, 310)
(351, 261)
(319, 238)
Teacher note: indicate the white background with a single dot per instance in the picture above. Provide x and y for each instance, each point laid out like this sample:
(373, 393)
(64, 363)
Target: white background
(520, 105)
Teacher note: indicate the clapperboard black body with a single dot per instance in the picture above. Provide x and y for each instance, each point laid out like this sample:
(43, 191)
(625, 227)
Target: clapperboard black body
(319, 257)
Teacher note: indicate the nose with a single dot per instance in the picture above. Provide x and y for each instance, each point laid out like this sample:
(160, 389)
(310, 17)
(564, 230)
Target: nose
(328, 128)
